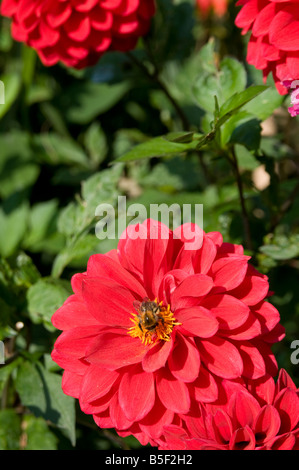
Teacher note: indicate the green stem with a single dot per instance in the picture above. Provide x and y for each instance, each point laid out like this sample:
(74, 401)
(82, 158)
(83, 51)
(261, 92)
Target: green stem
(156, 79)
(233, 160)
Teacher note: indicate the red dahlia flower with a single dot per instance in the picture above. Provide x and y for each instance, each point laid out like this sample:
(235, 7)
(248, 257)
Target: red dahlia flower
(274, 41)
(78, 32)
(263, 416)
(203, 328)
(218, 6)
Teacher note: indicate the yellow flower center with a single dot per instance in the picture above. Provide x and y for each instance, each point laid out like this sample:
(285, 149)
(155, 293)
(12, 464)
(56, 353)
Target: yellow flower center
(152, 323)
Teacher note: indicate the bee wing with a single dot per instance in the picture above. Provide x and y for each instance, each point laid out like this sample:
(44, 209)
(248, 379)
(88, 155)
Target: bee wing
(137, 305)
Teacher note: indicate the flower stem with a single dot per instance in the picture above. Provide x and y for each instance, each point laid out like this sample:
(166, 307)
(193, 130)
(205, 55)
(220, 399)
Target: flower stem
(233, 160)
(154, 76)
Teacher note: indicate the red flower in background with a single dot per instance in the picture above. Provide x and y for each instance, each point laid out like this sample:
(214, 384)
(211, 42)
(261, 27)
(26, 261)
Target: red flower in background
(78, 32)
(207, 332)
(218, 6)
(274, 40)
(263, 416)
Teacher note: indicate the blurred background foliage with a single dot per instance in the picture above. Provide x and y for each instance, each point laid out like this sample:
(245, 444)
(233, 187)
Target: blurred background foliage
(61, 132)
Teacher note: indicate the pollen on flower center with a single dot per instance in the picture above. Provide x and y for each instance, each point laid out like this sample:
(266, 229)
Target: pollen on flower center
(152, 323)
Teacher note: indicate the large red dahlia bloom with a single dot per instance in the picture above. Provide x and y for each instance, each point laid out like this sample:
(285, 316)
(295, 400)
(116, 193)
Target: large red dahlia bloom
(262, 416)
(274, 41)
(78, 32)
(204, 327)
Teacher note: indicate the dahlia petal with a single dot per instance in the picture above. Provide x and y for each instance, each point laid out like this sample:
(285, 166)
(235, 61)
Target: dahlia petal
(170, 282)
(118, 417)
(229, 311)
(268, 357)
(284, 31)
(220, 427)
(249, 330)
(72, 314)
(205, 387)
(86, 5)
(184, 360)
(173, 393)
(103, 419)
(208, 253)
(97, 382)
(244, 409)
(58, 15)
(268, 316)
(156, 259)
(267, 424)
(189, 292)
(114, 349)
(75, 341)
(109, 303)
(71, 384)
(198, 321)
(247, 15)
(284, 381)
(263, 20)
(253, 289)
(242, 439)
(286, 442)
(221, 357)
(192, 237)
(254, 365)
(287, 405)
(157, 355)
(8, 7)
(71, 364)
(216, 237)
(263, 389)
(104, 266)
(130, 249)
(136, 394)
(78, 28)
(153, 423)
(229, 272)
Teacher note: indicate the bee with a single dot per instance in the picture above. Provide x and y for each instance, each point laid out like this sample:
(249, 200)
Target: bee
(148, 314)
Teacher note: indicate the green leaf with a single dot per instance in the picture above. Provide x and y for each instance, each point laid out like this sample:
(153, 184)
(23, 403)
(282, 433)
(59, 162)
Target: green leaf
(242, 128)
(38, 434)
(13, 223)
(81, 248)
(61, 150)
(263, 106)
(277, 252)
(157, 147)
(5, 372)
(95, 143)
(222, 84)
(83, 102)
(40, 391)
(44, 298)
(10, 430)
(12, 86)
(41, 216)
(238, 100)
